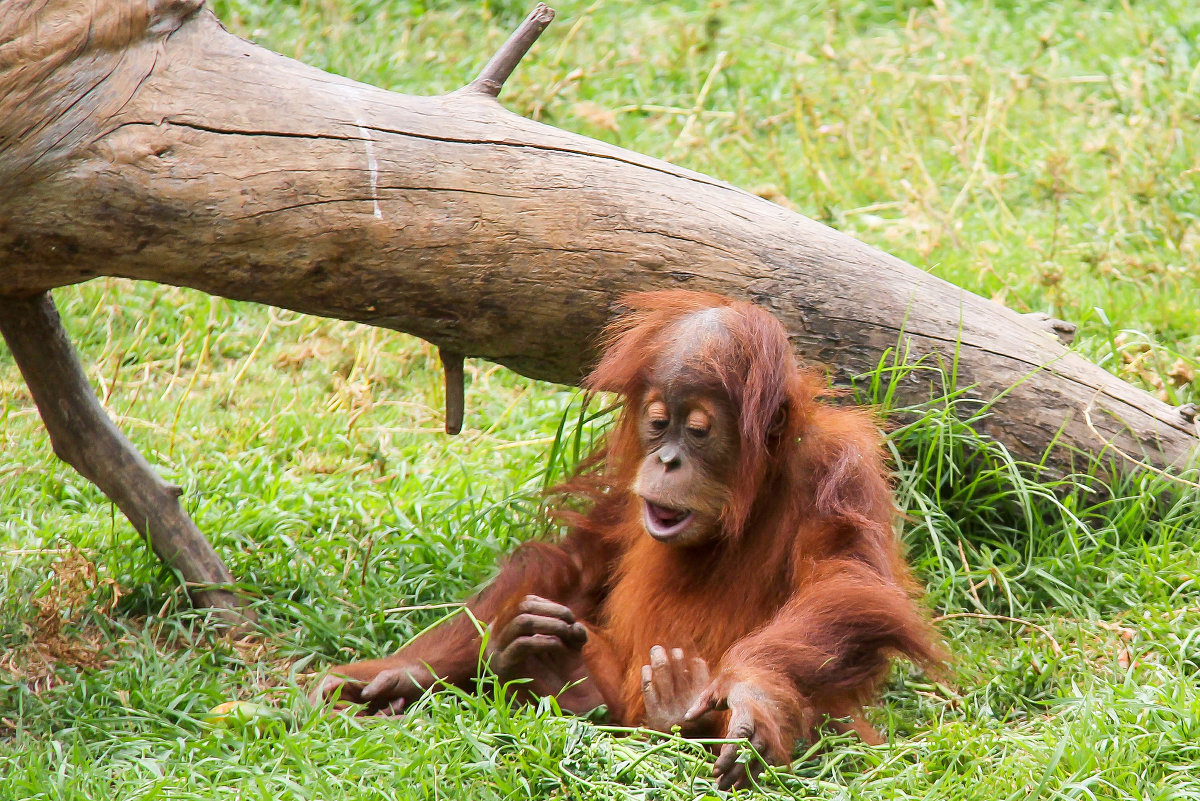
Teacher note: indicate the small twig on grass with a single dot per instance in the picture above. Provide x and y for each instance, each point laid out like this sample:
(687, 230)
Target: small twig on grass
(962, 553)
(491, 79)
(1058, 651)
(562, 48)
(687, 135)
(978, 167)
(366, 561)
(237, 377)
(1087, 418)
(651, 108)
(45, 551)
(424, 607)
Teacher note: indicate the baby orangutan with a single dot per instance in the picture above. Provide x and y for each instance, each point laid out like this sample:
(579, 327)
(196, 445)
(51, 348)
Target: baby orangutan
(737, 574)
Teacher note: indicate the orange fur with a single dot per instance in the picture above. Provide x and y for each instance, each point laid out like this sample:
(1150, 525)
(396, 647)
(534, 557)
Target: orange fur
(805, 593)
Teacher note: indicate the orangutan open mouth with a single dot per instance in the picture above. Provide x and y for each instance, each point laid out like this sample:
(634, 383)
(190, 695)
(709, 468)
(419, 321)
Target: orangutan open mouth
(664, 523)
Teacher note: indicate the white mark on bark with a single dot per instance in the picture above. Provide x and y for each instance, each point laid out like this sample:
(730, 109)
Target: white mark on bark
(372, 166)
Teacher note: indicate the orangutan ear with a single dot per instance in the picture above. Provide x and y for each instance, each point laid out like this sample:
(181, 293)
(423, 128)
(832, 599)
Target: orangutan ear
(779, 422)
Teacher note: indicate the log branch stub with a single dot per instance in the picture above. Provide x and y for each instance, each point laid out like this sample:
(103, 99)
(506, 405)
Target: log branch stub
(1061, 330)
(84, 437)
(493, 75)
(452, 366)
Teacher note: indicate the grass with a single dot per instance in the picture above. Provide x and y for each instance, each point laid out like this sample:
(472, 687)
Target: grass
(1043, 154)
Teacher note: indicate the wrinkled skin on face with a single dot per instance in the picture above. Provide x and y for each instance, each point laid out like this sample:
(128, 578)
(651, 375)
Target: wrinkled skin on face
(689, 435)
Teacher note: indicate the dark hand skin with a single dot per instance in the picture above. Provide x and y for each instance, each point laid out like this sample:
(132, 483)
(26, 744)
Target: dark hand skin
(388, 693)
(543, 645)
(748, 706)
(671, 685)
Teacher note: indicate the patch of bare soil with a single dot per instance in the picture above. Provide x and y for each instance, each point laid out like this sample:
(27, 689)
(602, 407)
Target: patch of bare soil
(56, 637)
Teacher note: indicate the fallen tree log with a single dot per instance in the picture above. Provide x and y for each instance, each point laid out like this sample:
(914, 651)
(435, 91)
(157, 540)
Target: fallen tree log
(142, 140)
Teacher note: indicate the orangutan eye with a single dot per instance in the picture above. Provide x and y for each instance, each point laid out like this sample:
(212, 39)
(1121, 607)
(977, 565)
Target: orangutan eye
(657, 416)
(699, 424)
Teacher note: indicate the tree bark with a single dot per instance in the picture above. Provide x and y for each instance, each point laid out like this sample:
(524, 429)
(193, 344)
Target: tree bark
(152, 144)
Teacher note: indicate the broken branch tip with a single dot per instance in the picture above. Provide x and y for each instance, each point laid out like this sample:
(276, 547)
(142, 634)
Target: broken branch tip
(491, 79)
(452, 367)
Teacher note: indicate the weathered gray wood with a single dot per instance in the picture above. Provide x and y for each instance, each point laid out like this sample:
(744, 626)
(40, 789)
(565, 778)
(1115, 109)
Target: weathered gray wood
(242, 173)
(84, 437)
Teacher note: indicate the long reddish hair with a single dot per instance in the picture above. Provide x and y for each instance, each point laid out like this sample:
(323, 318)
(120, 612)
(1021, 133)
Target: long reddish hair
(753, 364)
